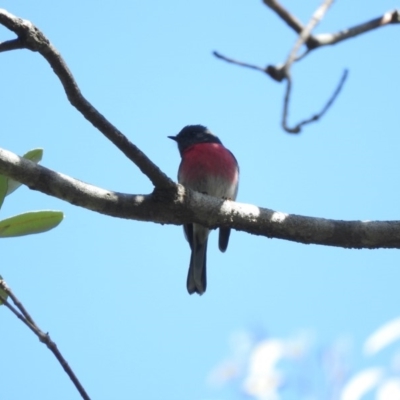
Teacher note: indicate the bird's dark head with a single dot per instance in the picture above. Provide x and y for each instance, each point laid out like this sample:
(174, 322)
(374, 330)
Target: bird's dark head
(194, 134)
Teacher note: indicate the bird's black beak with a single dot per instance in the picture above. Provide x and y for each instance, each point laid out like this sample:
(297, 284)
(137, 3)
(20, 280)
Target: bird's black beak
(173, 138)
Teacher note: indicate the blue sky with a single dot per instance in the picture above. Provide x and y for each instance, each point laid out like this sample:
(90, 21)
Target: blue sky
(111, 292)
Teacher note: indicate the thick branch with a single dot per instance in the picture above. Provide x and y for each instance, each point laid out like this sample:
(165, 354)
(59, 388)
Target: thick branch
(178, 205)
(33, 39)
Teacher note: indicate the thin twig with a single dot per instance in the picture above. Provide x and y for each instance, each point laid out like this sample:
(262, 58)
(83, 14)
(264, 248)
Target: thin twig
(315, 117)
(275, 72)
(303, 55)
(232, 61)
(285, 111)
(33, 39)
(17, 302)
(25, 317)
(5, 302)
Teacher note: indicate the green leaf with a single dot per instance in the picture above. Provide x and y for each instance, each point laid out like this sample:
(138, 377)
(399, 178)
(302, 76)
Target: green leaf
(3, 188)
(34, 155)
(30, 223)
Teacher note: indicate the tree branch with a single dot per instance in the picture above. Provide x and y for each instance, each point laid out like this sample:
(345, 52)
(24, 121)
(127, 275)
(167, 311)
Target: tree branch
(391, 17)
(25, 317)
(312, 42)
(306, 32)
(240, 63)
(303, 36)
(171, 203)
(33, 39)
(178, 206)
(290, 19)
(315, 117)
(324, 39)
(13, 44)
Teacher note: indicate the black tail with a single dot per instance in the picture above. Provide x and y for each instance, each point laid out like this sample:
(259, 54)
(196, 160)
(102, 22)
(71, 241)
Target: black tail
(197, 275)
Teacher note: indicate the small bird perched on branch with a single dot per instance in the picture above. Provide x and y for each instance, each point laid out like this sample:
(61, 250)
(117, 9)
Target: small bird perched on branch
(210, 168)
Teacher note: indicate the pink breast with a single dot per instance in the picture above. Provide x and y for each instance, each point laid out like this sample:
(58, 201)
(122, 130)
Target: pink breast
(207, 162)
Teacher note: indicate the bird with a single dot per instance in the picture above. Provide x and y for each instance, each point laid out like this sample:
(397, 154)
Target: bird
(209, 168)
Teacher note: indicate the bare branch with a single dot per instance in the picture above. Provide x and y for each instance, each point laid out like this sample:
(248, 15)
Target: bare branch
(33, 39)
(24, 316)
(276, 73)
(15, 312)
(179, 205)
(18, 304)
(286, 102)
(315, 117)
(315, 41)
(171, 203)
(391, 17)
(306, 32)
(279, 72)
(312, 42)
(304, 35)
(290, 19)
(242, 64)
(14, 44)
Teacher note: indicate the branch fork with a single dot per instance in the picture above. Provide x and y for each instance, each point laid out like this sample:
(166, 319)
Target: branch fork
(282, 72)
